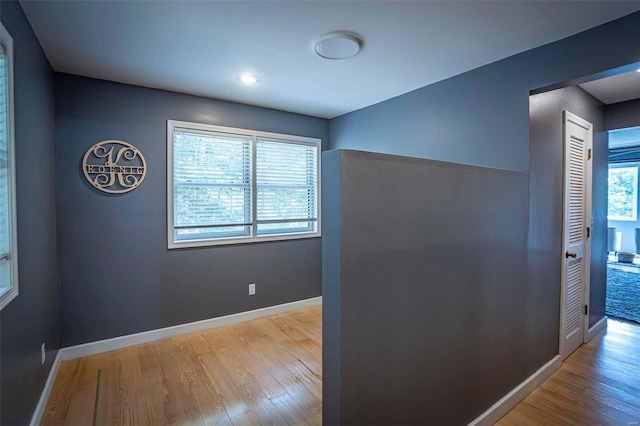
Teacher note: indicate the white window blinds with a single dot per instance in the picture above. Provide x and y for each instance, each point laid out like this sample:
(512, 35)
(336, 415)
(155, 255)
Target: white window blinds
(5, 232)
(212, 179)
(233, 185)
(286, 187)
(8, 249)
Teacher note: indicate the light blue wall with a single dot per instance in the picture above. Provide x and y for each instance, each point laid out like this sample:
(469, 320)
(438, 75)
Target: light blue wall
(482, 117)
(628, 136)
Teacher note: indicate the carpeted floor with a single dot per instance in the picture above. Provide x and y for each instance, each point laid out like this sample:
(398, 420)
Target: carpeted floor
(623, 294)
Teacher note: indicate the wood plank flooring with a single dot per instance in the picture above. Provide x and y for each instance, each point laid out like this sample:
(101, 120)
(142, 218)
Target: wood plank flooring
(267, 371)
(599, 384)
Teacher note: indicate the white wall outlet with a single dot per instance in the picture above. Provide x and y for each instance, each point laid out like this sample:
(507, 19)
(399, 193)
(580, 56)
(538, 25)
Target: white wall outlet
(252, 289)
(43, 352)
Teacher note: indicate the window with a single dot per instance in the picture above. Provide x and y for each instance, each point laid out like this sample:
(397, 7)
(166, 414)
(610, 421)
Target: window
(229, 185)
(8, 244)
(623, 193)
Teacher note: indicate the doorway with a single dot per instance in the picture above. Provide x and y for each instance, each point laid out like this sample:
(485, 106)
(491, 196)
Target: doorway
(623, 232)
(547, 206)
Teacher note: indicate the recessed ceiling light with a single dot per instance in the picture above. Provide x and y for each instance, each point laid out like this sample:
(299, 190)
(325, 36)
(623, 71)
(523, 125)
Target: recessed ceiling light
(248, 78)
(338, 45)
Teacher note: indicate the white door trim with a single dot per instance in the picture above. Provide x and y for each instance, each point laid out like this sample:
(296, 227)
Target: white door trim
(597, 328)
(570, 117)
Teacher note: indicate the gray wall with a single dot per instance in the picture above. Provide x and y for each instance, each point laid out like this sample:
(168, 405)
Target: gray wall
(482, 117)
(545, 229)
(116, 275)
(32, 318)
(430, 293)
(623, 114)
(332, 268)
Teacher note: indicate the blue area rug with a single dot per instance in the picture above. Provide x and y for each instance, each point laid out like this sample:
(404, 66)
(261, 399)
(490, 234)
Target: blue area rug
(623, 294)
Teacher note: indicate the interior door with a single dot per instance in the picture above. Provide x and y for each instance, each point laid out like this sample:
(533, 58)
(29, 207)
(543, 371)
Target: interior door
(577, 226)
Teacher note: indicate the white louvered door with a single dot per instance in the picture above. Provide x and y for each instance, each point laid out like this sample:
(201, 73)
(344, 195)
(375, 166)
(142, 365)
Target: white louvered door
(577, 224)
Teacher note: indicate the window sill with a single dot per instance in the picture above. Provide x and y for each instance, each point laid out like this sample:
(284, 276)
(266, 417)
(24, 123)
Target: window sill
(241, 240)
(7, 295)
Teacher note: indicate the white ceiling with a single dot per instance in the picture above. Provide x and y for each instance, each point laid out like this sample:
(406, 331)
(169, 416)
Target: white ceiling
(619, 88)
(200, 47)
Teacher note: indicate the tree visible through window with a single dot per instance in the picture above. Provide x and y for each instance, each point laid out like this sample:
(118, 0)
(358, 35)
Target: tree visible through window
(233, 185)
(623, 193)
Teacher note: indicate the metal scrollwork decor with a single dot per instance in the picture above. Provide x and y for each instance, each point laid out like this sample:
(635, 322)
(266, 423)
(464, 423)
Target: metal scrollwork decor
(114, 166)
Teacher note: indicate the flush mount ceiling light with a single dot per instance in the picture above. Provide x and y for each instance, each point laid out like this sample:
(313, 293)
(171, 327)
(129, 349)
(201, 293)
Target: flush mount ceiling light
(337, 45)
(248, 78)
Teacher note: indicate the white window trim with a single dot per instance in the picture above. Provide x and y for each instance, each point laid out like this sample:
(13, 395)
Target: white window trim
(634, 217)
(12, 292)
(255, 134)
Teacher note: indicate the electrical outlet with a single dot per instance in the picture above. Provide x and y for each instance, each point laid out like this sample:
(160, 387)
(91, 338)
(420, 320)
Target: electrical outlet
(252, 289)
(43, 352)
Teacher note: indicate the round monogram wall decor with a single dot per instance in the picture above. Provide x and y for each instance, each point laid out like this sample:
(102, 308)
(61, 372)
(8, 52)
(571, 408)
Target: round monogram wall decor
(114, 166)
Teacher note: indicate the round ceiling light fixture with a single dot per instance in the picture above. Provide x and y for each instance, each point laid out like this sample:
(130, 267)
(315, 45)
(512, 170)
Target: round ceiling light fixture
(248, 78)
(338, 45)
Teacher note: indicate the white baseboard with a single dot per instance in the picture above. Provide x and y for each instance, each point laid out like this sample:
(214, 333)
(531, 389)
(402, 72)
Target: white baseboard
(93, 348)
(510, 400)
(107, 345)
(38, 413)
(597, 328)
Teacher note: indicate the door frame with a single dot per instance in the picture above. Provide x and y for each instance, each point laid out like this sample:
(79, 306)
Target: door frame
(568, 116)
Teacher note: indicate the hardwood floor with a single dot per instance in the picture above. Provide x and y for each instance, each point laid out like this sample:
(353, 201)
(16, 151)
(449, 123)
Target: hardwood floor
(599, 384)
(267, 371)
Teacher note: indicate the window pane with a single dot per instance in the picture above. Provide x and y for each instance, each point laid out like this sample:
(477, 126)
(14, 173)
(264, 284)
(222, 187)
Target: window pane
(5, 276)
(5, 225)
(209, 233)
(239, 185)
(212, 185)
(286, 179)
(281, 203)
(5, 209)
(623, 193)
(284, 228)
